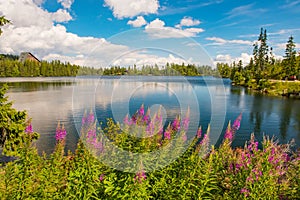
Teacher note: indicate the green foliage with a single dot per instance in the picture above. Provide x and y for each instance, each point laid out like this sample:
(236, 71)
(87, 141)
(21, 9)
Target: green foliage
(8, 56)
(13, 68)
(83, 71)
(168, 70)
(3, 21)
(290, 58)
(224, 173)
(12, 126)
(263, 70)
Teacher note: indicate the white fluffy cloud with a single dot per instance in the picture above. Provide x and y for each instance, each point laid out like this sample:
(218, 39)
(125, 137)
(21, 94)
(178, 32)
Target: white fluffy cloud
(244, 57)
(61, 16)
(146, 59)
(38, 2)
(221, 41)
(66, 3)
(131, 8)
(188, 21)
(283, 45)
(138, 22)
(157, 29)
(50, 41)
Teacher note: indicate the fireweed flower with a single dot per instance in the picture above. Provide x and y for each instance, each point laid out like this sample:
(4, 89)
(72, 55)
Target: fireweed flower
(167, 133)
(245, 192)
(91, 134)
(141, 111)
(150, 129)
(127, 121)
(237, 123)
(146, 118)
(205, 139)
(140, 176)
(253, 146)
(101, 178)
(228, 133)
(203, 146)
(60, 133)
(185, 123)
(84, 119)
(133, 119)
(186, 120)
(28, 129)
(97, 145)
(176, 124)
(91, 117)
(199, 132)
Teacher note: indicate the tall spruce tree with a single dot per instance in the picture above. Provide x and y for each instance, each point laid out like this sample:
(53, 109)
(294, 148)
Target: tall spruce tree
(261, 55)
(290, 58)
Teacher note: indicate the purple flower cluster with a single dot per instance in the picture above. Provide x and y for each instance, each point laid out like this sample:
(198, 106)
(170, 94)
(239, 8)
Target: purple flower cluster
(245, 192)
(199, 132)
(176, 124)
(253, 146)
(237, 123)
(127, 121)
(203, 146)
(28, 129)
(84, 119)
(91, 118)
(139, 118)
(205, 139)
(230, 131)
(101, 178)
(141, 111)
(140, 176)
(168, 133)
(61, 133)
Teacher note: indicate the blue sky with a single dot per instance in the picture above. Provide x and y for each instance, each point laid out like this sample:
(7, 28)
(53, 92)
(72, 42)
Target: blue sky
(126, 32)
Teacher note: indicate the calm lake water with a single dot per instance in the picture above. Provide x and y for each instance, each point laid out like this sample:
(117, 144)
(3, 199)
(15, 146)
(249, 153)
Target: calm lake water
(211, 100)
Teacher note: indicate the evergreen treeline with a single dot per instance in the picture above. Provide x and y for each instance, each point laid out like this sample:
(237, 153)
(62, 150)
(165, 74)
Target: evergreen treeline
(11, 67)
(263, 66)
(168, 70)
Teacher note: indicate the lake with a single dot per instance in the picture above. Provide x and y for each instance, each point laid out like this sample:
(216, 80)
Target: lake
(210, 101)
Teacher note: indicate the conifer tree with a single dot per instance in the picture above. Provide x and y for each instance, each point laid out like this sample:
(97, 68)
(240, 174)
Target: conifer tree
(290, 58)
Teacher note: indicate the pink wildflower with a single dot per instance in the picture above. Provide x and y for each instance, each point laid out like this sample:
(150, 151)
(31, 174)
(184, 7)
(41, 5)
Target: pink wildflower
(167, 134)
(229, 133)
(199, 132)
(176, 124)
(60, 133)
(141, 111)
(245, 192)
(101, 178)
(126, 120)
(140, 176)
(237, 123)
(91, 118)
(28, 129)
